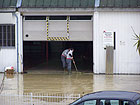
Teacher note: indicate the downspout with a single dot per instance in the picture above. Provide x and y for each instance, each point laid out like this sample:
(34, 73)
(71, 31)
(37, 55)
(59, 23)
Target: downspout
(17, 42)
(17, 6)
(97, 3)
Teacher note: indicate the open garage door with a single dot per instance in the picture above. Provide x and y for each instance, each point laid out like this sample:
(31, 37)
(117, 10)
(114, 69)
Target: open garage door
(45, 37)
(45, 55)
(57, 28)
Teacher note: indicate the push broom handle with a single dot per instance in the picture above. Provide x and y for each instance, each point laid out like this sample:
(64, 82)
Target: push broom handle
(75, 65)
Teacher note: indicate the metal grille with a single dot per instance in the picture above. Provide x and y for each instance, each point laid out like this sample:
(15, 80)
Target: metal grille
(7, 35)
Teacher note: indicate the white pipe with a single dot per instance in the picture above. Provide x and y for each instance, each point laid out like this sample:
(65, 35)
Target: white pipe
(17, 42)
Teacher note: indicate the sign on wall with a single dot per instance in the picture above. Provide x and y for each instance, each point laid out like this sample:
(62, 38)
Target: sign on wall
(108, 38)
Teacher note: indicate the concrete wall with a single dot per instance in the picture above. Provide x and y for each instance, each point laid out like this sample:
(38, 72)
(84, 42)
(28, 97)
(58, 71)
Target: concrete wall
(126, 59)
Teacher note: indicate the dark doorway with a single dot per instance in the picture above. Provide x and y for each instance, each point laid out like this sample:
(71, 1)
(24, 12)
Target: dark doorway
(46, 55)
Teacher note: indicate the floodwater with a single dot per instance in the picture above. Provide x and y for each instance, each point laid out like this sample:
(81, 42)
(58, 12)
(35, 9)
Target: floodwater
(70, 84)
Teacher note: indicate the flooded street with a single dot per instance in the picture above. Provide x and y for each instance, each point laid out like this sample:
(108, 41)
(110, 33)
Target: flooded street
(75, 83)
(60, 89)
(63, 83)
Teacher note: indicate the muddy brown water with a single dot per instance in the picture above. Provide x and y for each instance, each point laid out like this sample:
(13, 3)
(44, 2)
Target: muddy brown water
(70, 84)
(62, 83)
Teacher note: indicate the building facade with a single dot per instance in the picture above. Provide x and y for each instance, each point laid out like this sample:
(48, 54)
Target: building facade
(81, 22)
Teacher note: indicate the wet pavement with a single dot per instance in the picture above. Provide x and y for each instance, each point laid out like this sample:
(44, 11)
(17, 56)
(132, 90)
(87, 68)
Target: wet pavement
(62, 83)
(76, 83)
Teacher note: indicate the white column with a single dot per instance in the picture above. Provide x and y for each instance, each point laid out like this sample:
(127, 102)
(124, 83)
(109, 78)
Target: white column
(20, 43)
(96, 66)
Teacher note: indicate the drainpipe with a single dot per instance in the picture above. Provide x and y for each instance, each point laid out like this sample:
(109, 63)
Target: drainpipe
(97, 3)
(17, 6)
(17, 42)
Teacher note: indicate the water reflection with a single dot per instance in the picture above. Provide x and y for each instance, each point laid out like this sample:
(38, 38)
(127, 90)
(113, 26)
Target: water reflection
(69, 84)
(8, 76)
(75, 83)
(117, 82)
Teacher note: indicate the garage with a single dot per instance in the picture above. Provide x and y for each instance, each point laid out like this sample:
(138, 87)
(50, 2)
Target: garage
(45, 37)
(45, 55)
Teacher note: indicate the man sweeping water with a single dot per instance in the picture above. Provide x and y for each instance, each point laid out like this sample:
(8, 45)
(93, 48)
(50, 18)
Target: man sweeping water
(66, 57)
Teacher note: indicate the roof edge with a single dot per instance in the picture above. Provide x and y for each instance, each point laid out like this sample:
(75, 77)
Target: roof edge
(54, 9)
(2, 10)
(79, 9)
(117, 9)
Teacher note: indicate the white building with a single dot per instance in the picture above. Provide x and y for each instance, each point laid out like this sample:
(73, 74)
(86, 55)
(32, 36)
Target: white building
(44, 28)
(9, 30)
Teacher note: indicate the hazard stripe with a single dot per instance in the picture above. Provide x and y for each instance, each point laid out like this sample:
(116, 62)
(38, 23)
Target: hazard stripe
(47, 22)
(68, 26)
(57, 38)
(49, 38)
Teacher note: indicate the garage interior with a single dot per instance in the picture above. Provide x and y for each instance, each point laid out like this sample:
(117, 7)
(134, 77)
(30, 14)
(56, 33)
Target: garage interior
(45, 55)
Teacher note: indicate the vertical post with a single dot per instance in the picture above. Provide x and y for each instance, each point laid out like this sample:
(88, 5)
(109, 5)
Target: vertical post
(109, 59)
(47, 23)
(79, 96)
(17, 42)
(31, 99)
(68, 33)
(96, 43)
(47, 52)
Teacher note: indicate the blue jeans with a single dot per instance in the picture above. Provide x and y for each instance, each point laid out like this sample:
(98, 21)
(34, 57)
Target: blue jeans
(63, 59)
(68, 61)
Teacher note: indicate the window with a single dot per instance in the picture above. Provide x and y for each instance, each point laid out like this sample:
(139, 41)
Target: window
(57, 17)
(115, 102)
(7, 35)
(109, 102)
(90, 102)
(138, 102)
(35, 17)
(80, 17)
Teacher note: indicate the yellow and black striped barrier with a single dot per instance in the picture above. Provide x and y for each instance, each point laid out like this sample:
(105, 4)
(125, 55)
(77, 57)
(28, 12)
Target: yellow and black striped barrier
(68, 26)
(47, 26)
(49, 38)
(57, 38)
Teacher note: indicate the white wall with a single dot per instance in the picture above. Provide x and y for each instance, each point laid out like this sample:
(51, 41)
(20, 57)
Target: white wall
(6, 18)
(8, 55)
(35, 29)
(79, 30)
(126, 59)
(7, 58)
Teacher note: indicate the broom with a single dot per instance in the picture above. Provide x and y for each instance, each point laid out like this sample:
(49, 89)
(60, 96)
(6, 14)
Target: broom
(75, 65)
